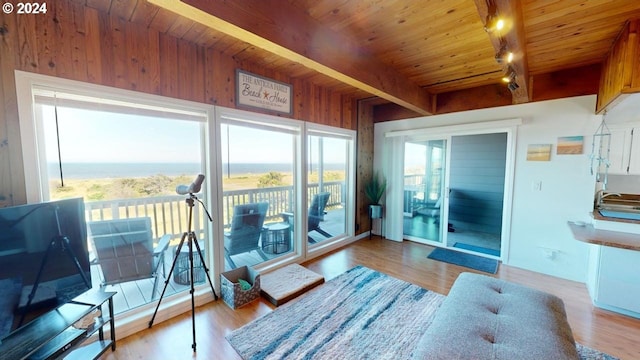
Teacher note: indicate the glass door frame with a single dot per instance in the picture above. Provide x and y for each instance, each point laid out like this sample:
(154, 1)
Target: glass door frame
(393, 149)
(262, 121)
(350, 136)
(444, 193)
(301, 250)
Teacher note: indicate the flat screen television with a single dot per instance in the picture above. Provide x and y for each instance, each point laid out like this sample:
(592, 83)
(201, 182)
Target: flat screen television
(44, 260)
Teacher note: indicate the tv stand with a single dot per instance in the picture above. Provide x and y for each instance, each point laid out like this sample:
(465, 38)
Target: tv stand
(53, 335)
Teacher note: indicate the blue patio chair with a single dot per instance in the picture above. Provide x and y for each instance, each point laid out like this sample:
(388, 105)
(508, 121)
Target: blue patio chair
(245, 231)
(125, 250)
(315, 215)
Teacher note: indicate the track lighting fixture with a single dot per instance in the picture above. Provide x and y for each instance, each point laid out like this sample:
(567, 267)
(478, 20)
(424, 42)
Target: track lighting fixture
(504, 56)
(494, 25)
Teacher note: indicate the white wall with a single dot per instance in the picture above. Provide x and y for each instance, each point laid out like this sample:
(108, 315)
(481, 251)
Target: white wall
(539, 218)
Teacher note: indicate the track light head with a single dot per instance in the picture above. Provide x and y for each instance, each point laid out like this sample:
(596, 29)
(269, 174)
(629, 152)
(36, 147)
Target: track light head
(504, 56)
(509, 75)
(509, 78)
(493, 23)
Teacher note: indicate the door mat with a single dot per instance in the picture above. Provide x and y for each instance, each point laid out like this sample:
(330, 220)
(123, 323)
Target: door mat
(479, 249)
(463, 259)
(288, 282)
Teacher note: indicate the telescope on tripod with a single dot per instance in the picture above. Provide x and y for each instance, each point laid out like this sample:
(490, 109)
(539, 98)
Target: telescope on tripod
(194, 188)
(192, 241)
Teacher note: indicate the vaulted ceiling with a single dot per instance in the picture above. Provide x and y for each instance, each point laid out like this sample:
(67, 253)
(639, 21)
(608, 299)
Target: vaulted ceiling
(415, 54)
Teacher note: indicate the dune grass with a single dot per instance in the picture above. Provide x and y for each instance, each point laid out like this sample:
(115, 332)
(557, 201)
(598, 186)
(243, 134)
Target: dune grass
(159, 185)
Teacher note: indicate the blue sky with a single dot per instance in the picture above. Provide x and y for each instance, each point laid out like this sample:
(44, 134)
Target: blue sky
(415, 155)
(92, 136)
(95, 136)
(255, 145)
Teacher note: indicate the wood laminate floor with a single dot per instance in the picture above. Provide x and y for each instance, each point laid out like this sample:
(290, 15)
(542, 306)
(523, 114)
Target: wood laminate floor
(615, 334)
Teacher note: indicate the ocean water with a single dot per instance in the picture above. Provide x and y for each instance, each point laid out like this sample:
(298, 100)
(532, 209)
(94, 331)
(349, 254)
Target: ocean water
(133, 170)
(121, 170)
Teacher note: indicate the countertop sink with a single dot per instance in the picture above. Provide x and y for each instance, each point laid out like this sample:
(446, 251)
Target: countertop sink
(620, 214)
(617, 212)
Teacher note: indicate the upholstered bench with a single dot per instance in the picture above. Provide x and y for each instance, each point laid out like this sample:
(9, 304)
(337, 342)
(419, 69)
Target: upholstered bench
(487, 318)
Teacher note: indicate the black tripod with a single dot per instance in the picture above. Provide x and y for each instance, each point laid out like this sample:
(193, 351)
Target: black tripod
(190, 236)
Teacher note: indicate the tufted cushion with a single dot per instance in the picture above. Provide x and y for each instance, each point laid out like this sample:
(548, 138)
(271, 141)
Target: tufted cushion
(487, 318)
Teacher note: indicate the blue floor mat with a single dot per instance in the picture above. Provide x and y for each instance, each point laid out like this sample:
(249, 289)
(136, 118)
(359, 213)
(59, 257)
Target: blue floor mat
(479, 249)
(463, 259)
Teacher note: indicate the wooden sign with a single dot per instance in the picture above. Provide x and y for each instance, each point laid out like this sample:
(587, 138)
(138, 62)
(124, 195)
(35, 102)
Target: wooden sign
(259, 92)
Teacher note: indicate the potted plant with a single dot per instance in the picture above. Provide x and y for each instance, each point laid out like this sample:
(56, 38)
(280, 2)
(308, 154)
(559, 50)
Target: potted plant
(374, 190)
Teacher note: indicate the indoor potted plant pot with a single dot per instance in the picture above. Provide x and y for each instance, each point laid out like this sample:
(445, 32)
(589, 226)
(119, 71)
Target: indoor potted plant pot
(374, 190)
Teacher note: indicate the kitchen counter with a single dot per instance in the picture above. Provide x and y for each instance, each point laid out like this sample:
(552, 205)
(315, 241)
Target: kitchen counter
(612, 270)
(623, 240)
(614, 253)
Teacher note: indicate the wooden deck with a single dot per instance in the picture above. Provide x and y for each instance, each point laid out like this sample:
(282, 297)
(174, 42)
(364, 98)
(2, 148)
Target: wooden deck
(333, 224)
(132, 294)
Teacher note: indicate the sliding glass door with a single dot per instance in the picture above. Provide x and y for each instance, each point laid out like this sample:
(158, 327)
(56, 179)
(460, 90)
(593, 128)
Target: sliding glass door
(287, 188)
(328, 179)
(454, 191)
(476, 192)
(258, 190)
(424, 190)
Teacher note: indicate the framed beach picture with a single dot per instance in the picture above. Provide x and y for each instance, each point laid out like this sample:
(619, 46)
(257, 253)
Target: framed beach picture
(539, 152)
(570, 145)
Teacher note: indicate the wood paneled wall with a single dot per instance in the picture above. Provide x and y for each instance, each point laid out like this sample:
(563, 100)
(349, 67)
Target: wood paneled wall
(364, 161)
(80, 43)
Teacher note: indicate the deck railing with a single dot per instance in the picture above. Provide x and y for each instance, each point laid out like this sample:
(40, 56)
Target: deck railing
(414, 180)
(169, 214)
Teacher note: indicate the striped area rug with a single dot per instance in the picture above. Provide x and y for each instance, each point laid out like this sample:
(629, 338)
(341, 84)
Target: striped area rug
(361, 314)
(358, 315)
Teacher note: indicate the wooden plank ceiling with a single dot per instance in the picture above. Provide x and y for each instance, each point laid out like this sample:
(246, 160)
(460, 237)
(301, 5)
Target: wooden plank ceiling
(404, 52)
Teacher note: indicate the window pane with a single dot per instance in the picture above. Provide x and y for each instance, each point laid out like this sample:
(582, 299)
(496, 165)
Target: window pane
(326, 189)
(258, 193)
(108, 156)
(126, 167)
(423, 189)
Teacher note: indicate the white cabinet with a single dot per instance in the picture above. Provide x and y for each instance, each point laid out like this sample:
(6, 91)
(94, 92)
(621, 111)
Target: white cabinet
(614, 279)
(634, 152)
(624, 149)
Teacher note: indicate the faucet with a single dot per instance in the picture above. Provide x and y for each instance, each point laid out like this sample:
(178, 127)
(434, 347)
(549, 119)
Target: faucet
(600, 195)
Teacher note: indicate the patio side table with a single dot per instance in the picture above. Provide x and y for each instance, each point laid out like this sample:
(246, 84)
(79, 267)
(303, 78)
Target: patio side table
(182, 270)
(276, 238)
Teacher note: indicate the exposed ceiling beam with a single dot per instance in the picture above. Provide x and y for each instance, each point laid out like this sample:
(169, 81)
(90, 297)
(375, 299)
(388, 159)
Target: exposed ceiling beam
(289, 32)
(513, 35)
